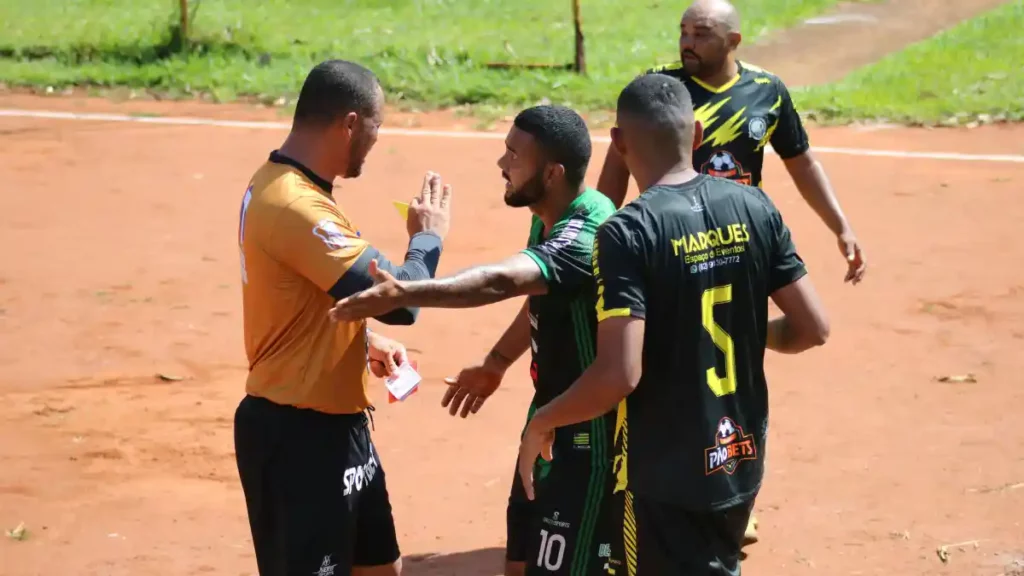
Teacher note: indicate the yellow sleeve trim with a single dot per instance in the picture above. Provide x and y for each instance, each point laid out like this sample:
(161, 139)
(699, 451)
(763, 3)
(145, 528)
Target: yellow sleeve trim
(674, 65)
(755, 68)
(603, 315)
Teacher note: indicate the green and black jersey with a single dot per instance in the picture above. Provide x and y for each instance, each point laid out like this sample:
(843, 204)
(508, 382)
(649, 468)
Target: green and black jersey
(698, 261)
(563, 323)
(739, 119)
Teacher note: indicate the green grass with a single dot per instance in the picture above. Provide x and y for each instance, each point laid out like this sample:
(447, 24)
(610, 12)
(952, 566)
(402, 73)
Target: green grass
(430, 52)
(973, 70)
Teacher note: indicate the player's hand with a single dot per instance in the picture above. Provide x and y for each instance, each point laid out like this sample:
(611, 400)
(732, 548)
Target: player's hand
(384, 296)
(430, 211)
(855, 261)
(471, 388)
(538, 440)
(385, 355)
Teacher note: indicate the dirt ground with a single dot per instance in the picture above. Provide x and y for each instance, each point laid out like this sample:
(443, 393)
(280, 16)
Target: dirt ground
(867, 30)
(118, 263)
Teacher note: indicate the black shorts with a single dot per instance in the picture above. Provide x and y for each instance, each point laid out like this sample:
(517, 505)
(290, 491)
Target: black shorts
(314, 490)
(568, 528)
(659, 539)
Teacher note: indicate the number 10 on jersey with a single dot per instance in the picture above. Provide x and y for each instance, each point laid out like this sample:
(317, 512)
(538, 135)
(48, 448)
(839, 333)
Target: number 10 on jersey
(721, 386)
(552, 550)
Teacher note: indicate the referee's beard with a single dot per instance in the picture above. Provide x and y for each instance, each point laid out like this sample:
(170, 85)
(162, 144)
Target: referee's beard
(531, 192)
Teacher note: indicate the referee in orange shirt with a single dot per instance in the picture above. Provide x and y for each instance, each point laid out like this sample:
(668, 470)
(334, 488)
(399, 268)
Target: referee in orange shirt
(314, 487)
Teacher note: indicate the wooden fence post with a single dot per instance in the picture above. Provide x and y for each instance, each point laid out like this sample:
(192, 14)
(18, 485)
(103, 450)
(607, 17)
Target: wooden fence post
(183, 22)
(580, 64)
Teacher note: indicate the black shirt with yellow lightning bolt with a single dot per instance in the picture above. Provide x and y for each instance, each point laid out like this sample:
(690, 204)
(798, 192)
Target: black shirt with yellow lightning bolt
(739, 119)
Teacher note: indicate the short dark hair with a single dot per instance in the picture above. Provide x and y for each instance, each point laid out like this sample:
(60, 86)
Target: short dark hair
(563, 137)
(662, 102)
(334, 88)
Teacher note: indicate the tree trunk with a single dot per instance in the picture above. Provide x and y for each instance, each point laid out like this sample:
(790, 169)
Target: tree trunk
(580, 64)
(183, 5)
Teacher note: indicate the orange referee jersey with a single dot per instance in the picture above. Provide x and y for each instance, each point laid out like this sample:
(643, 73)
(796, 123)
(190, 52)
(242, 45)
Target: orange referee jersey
(295, 243)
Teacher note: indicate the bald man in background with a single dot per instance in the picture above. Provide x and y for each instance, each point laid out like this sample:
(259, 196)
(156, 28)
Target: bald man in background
(741, 109)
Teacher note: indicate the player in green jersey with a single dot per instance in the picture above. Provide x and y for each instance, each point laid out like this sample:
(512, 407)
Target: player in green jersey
(565, 531)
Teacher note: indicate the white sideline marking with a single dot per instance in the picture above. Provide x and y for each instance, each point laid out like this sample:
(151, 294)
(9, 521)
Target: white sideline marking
(841, 18)
(181, 121)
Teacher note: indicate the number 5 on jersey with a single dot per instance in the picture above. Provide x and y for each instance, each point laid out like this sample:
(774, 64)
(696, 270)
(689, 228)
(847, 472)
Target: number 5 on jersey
(721, 386)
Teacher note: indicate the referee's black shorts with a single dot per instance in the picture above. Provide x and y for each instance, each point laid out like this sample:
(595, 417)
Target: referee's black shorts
(314, 490)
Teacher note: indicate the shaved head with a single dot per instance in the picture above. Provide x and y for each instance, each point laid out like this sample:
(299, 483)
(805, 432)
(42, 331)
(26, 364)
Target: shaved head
(659, 108)
(720, 12)
(655, 130)
(709, 34)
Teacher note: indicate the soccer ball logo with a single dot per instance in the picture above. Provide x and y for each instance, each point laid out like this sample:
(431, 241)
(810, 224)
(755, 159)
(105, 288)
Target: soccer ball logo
(726, 431)
(723, 165)
(722, 162)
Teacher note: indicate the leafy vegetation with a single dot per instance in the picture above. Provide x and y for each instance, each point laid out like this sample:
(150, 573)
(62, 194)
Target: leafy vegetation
(971, 71)
(432, 52)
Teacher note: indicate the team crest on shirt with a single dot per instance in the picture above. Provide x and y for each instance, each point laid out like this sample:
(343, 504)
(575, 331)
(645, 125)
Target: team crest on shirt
(331, 234)
(757, 128)
(696, 205)
(731, 447)
(724, 165)
(326, 568)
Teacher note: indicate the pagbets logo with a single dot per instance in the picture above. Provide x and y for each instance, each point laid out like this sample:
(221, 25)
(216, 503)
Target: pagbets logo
(724, 165)
(731, 447)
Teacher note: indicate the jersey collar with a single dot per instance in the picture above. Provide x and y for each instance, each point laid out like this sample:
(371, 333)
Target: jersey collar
(277, 158)
(573, 206)
(723, 87)
(579, 199)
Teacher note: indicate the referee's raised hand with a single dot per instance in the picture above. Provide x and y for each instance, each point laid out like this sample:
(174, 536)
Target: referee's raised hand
(430, 211)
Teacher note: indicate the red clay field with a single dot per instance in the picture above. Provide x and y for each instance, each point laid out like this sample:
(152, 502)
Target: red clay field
(118, 264)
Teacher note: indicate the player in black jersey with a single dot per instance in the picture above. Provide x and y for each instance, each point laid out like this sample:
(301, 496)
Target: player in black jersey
(742, 109)
(684, 275)
(546, 157)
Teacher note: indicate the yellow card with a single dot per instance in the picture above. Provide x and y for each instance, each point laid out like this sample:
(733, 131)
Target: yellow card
(403, 209)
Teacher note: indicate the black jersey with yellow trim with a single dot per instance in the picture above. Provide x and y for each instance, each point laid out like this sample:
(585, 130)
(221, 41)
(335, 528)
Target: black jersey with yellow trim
(698, 262)
(739, 119)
